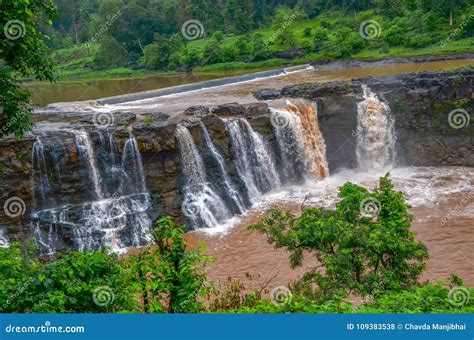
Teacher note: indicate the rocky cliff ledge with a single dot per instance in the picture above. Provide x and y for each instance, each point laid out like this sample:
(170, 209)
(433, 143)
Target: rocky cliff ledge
(432, 119)
(420, 103)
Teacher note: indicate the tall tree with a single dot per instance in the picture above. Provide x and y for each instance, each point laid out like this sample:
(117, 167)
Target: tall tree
(23, 53)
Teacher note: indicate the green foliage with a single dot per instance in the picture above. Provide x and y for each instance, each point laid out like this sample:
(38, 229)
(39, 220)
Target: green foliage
(14, 106)
(18, 268)
(219, 36)
(252, 31)
(168, 277)
(110, 54)
(212, 52)
(363, 254)
(66, 285)
(23, 52)
(428, 298)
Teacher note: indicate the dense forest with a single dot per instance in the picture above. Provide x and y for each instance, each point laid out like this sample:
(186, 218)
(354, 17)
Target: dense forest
(154, 33)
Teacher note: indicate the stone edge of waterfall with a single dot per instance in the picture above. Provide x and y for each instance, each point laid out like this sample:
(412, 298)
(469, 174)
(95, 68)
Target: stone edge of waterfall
(338, 111)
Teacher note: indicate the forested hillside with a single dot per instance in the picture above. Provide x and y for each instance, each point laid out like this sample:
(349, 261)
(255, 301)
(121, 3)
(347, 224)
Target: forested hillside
(181, 35)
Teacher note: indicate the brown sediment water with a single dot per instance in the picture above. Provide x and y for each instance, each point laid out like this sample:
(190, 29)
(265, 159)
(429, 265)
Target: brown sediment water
(44, 94)
(312, 138)
(442, 204)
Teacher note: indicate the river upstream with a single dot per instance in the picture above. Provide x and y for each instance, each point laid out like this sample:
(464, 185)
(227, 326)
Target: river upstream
(222, 192)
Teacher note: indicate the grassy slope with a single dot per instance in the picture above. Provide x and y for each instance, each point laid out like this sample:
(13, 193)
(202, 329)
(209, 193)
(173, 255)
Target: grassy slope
(76, 63)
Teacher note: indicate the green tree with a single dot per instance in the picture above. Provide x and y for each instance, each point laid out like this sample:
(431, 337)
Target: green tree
(212, 52)
(359, 252)
(110, 54)
(168, 277)
(77, 282)
(18, 270)
(23, 53)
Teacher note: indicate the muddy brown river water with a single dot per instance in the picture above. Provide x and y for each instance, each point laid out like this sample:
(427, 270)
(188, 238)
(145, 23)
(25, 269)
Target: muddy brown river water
(442, 202)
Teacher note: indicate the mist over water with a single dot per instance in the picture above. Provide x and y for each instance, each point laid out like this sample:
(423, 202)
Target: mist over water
(375, 133)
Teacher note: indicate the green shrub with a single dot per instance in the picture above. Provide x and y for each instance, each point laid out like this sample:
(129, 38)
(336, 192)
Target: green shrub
(362, 253)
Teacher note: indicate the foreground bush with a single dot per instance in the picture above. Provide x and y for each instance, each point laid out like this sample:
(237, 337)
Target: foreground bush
(364, 246)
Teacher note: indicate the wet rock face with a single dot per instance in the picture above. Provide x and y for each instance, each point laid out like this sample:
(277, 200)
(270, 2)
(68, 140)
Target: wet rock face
(230, 109)
(421, 105)
(198, 111)
(267, 94)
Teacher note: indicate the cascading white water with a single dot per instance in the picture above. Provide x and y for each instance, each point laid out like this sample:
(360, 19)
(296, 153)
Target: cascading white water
(254, 162)
(133, 165)
(302, 146)
(118, 222)
(375, 133)
(201, 203)
(84, 147)
(39, 168)
(112, 147)
(3, 240)
(229, 187)
(288, 135)
(47, 243)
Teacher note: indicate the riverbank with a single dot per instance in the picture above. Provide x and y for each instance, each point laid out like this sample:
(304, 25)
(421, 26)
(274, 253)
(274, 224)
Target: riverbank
(68, 74)
(344, 69)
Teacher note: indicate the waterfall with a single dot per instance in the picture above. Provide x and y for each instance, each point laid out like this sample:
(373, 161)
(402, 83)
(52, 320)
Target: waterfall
(3, 240)
(301, 144)
(40, 173)
(119, 221)
(229, 187)
(375, 133)
(84, 147)
(112, 147)
(253, 161)
(47, 243)
(201, 204)
(133, 165)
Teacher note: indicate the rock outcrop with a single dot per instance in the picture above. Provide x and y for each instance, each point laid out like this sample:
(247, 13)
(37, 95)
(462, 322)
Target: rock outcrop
(423, 106)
